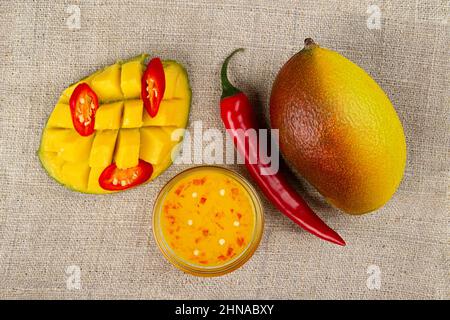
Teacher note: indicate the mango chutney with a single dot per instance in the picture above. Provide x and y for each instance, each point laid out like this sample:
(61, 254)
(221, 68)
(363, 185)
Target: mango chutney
(208, 220)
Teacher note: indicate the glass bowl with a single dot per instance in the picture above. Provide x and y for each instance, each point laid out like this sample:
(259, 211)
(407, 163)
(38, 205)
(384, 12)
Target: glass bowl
(197, 268)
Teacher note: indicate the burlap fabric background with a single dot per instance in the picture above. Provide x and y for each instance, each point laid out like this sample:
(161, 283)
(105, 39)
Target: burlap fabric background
(45, 228)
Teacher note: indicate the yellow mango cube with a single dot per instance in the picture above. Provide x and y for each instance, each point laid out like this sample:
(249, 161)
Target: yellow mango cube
(103, 148)
(162, 165)
(131, 76)
(127, 150)
(68, 92)
(182, 88)
(75, 174)
(155, 144)
(60, 117)
(76, 148)
(109, 116)
(63, 99)
(171, 72)
(132, 114)
(53, 139)
(106, 84)
(175, 134)
(93, 185)
(52, 163)
(170, 113)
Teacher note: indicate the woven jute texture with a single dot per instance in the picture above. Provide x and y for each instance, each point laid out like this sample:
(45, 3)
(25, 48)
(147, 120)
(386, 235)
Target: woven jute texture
(48, 233)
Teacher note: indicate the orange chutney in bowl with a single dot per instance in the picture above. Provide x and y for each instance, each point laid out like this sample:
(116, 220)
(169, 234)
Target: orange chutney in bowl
(208, 220)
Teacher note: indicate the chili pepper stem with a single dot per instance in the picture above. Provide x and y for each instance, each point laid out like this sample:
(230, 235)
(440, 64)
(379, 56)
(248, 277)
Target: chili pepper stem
(228, 89)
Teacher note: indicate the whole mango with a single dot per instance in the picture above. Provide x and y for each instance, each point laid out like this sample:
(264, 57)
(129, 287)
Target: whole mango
(338, 129)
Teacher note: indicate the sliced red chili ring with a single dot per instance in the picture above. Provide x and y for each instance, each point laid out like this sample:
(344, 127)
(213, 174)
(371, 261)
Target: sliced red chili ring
(83, 106)
(153, 84)
(113, 178)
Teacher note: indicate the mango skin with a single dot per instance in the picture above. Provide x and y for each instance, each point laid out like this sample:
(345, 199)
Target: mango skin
(338, 129)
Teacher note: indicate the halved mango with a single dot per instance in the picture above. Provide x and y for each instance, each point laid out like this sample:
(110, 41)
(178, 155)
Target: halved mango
(124, 132)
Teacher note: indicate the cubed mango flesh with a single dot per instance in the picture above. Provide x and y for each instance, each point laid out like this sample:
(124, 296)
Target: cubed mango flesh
(75, 174)
(182, 88)
(175, 134)
(107, 84)
(109, 116)
(68, 92)
(52, 163)
(127, 150)
(53, 139)
(169, 114)
(132, 113)
(131, 78)
(60, 117)
(155, 144)
(103, 148)
(172, 72)
(163, 165)
(76, 148)
(93, 184)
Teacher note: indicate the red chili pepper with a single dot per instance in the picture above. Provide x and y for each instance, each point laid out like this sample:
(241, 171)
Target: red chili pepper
(238, 115)
(113, 178)
(153, 85)
(83, 106)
